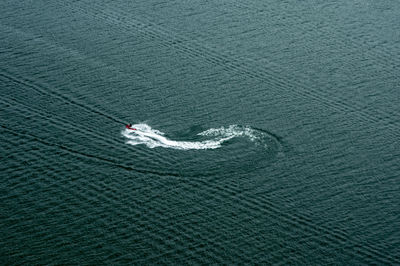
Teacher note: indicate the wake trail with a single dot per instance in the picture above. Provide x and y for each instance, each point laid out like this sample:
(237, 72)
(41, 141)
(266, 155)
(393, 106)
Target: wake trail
(152, 138)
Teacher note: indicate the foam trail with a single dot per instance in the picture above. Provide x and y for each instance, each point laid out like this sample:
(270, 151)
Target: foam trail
(152, 138)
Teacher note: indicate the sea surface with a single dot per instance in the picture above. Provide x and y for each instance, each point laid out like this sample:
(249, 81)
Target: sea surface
(263, 132)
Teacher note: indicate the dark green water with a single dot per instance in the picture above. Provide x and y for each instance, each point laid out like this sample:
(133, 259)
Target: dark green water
(307, 94)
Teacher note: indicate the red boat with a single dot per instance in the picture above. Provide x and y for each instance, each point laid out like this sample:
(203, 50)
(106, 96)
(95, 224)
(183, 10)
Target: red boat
(130, 127)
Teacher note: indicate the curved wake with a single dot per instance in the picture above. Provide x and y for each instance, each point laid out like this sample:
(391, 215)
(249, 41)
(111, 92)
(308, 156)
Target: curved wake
(152, 138)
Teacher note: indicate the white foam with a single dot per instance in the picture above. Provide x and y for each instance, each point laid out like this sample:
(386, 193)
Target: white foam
(152, 138)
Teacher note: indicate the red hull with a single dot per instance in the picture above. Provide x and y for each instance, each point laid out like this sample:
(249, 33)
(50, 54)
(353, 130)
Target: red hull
(131, 128)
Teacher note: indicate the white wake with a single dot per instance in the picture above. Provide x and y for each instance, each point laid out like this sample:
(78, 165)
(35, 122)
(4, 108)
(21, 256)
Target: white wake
(152, 138)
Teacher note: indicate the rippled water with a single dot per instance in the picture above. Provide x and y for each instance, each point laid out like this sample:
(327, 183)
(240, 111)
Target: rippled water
(267, 132)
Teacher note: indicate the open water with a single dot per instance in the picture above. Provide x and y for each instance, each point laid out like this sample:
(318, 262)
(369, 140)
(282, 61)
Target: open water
(267, 132)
